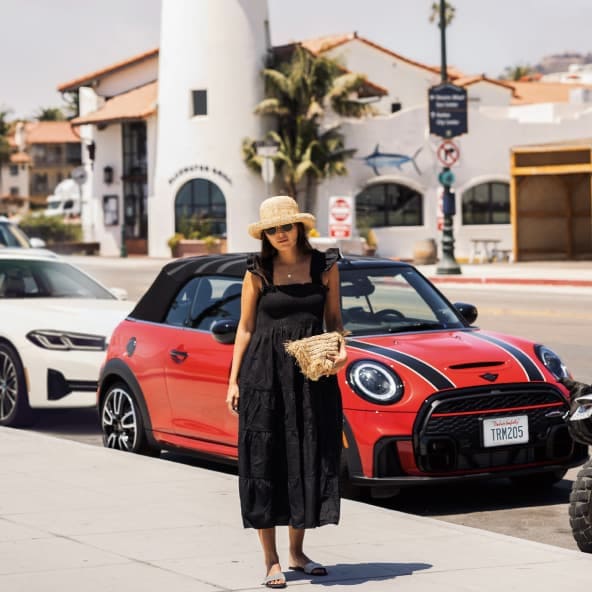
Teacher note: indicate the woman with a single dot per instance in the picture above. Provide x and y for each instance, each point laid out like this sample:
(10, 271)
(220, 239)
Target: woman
(289, 427)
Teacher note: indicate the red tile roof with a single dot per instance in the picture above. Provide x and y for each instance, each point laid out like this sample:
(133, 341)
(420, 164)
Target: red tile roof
(87, 78)
(544, 92)
(138, 103)
(50, 132)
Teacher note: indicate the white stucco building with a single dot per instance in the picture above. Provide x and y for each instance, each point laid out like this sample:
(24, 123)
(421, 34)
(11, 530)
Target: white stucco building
(168, 125)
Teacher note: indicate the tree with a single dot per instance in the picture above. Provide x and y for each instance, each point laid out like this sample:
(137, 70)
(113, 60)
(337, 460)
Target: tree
(449, 12)
(517, 72)
(4, 144)
(50, 114)
(72, 100)
(299, 93)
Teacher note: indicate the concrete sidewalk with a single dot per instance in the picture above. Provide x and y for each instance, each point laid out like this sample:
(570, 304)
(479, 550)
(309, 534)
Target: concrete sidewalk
(77, 517)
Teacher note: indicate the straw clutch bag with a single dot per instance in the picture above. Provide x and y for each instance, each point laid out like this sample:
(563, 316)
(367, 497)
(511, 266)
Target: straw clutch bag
(311, 353)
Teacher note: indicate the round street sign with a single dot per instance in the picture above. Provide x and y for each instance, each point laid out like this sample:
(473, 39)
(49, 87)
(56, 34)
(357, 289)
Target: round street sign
(448, 153)
(446, 177)
(79, 175)
(340, 210)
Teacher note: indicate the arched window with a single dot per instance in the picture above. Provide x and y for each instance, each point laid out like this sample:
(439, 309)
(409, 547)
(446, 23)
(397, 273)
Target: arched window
(200, 206)
(389, 204)
(487, 203)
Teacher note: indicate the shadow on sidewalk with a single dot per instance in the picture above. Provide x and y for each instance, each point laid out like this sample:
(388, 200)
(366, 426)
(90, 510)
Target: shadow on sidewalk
(352, 574)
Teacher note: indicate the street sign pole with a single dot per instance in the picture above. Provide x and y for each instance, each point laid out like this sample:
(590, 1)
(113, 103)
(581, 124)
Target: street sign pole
(447, 107)
(447, 264)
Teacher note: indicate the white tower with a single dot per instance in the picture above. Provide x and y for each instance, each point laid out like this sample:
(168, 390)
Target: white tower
(211, 56)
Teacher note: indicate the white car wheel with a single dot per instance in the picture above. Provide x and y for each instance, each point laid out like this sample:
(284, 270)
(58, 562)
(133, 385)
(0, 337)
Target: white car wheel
(14, 404)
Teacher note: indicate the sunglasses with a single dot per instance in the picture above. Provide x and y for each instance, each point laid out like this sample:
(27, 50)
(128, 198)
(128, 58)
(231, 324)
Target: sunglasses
(282, 228)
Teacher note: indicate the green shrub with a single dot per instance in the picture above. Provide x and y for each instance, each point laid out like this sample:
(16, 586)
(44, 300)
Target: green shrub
(52, 229)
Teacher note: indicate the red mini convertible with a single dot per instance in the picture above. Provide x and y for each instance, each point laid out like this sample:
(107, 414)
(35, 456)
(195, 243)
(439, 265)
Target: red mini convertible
(427, 397)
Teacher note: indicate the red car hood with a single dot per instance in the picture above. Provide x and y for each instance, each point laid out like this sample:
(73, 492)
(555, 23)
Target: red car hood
(456, 359)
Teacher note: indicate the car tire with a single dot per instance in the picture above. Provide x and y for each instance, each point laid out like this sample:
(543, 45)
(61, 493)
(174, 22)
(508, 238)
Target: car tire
(121, 422)
(15, 410)
(580, 508)
(539, 481)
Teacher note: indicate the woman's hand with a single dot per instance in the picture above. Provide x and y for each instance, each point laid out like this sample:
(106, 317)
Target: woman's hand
(339, 360)
(232, 398)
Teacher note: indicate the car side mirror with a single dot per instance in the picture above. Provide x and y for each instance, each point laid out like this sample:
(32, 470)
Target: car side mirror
(37, 243)
(468, 312)
(224, 330)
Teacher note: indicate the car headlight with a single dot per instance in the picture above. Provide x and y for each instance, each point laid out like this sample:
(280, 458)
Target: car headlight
(65, 340)
(551, 361)
(375, 382)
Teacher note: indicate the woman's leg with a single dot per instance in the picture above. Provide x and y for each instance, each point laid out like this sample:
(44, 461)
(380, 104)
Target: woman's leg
(298, 558)
(270, 554)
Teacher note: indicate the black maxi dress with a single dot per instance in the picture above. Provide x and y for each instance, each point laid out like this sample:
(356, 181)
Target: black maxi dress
(289, 443)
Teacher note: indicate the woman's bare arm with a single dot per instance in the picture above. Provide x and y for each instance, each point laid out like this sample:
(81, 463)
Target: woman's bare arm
(333, 320)
(246, 326)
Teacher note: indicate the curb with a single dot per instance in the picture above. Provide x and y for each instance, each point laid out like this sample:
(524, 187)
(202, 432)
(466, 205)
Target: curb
(511, 281)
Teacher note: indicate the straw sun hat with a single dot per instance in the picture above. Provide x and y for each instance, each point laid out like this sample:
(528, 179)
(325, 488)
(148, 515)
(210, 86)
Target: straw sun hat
(279, 210)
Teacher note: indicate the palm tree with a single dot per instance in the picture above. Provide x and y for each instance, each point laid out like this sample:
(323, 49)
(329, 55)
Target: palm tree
(299, 93)
(517, 72)
(50, 114)
(450, 13)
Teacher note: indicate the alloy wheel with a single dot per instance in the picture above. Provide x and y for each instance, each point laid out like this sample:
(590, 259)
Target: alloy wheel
(8, 386)
(119, 420)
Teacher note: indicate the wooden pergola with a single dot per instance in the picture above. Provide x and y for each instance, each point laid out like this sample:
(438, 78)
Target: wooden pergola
(550, 201)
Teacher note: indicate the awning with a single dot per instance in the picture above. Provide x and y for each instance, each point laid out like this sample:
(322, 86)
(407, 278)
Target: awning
(135, 104)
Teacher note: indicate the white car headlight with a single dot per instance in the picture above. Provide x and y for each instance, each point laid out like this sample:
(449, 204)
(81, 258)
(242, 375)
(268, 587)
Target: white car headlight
(66, 340)
(375, 382)
(552, 361)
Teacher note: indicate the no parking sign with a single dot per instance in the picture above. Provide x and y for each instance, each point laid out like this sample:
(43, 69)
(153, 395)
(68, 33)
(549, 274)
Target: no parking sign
(340, 217)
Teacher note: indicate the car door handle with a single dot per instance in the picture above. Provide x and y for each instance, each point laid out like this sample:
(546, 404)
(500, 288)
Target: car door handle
(178, 356)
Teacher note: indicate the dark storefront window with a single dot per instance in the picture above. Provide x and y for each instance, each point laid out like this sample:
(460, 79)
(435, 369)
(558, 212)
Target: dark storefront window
(389, 204)
(200, 204)
(135, 178)
(487, 203)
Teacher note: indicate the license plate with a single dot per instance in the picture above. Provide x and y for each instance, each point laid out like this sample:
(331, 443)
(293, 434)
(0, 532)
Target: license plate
(501, 431)
(582, 412)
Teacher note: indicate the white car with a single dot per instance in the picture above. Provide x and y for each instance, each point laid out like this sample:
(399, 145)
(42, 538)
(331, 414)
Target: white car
(55, 324)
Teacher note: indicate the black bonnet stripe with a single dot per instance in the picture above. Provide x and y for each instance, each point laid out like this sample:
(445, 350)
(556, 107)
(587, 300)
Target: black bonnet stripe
(530, 368)
(432, 375)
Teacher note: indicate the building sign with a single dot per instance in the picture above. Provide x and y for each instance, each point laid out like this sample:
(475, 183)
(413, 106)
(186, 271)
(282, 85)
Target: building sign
(340, 217)
(447, 108)
(200, 168)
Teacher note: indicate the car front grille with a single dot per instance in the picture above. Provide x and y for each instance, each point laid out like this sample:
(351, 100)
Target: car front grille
(448, 434)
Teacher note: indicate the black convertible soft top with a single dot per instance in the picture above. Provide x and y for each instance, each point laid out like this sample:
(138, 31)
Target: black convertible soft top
(155, 303)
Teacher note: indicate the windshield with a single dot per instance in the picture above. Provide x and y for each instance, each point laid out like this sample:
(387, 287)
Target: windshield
(47, 279)
(387, 300)
(12, 236)
(53, 205)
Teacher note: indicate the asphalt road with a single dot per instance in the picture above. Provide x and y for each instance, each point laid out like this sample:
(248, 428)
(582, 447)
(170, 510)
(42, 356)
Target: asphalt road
(559, 318)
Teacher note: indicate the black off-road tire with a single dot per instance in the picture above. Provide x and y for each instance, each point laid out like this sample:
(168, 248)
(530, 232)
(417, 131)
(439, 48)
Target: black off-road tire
(580, 508)
(121, 422)
(15, 410)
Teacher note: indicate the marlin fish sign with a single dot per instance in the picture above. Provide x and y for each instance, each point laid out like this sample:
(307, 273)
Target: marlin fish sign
(378, 160)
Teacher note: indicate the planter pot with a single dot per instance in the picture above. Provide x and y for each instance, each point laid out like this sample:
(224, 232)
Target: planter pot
(192, 247)
(425, 252)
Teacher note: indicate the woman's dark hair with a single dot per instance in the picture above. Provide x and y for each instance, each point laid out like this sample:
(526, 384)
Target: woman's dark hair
(268, 251)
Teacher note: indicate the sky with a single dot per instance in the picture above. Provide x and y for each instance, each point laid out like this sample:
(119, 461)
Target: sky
(48, 42)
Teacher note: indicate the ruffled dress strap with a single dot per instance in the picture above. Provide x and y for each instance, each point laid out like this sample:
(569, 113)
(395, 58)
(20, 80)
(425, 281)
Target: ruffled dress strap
(257, 267)
(321, 262)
